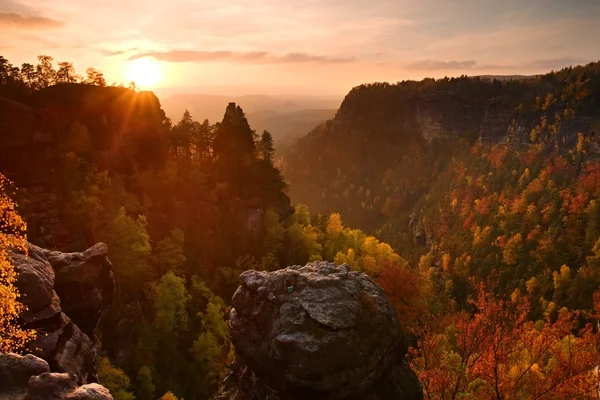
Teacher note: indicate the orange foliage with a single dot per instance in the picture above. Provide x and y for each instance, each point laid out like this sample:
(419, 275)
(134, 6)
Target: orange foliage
(403, 288)
(12, 235)
(497, 353)
(497, 155)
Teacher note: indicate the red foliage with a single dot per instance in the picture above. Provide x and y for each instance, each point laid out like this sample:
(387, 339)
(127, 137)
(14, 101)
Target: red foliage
(497, 353)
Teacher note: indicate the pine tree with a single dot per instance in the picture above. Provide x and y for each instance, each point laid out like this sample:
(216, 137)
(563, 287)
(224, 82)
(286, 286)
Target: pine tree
(265, 145)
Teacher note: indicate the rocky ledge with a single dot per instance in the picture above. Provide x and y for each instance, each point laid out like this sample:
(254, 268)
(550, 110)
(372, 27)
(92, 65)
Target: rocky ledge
(318, 331)
(29, 378)
(65, 295)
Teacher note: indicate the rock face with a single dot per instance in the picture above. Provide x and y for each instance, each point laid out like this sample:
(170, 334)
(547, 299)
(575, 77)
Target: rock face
(65, 295)
(316, 332)
(29, 378)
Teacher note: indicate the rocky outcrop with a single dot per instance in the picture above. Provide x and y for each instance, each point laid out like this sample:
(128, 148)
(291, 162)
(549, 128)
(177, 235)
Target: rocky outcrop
(29, 378)
(316, 332)
(65, 295)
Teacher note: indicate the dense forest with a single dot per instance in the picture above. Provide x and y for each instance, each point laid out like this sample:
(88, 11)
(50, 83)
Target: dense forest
(486, 191)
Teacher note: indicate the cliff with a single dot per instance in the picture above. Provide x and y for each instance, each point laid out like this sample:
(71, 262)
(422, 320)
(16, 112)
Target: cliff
(65, 295)
(377, 157)
(319, 331)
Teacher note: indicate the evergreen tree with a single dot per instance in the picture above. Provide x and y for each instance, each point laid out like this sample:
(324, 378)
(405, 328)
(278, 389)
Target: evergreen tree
(265, 146)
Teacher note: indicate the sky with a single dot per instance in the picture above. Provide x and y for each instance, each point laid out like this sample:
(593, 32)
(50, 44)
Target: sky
(307, 47)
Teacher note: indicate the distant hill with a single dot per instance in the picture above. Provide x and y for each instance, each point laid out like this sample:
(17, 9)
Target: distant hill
(506, 77)
(286, 127)
(286, 117)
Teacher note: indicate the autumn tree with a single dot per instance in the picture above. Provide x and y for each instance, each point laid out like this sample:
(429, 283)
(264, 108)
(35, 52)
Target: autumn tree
(115, 380)
(12, 236)
(498, 353)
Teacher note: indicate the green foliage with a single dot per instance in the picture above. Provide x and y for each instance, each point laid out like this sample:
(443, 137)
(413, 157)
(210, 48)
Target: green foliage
(170, 304)
(170, 252)
(129, 245)
(115, 380)
(145, 389)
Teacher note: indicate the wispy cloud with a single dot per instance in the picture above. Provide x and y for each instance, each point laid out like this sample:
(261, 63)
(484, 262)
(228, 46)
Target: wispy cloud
(110, 53)
(20, 21)
(258, 57)
(438, 65)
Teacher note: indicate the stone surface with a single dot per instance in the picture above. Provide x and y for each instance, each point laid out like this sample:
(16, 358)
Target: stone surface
(15, 371)
(85, 284)
(29, 378)
(318, 331)
(54, 286)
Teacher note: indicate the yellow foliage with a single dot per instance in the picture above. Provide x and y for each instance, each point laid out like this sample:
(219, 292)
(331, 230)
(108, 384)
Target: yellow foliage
(12, 336)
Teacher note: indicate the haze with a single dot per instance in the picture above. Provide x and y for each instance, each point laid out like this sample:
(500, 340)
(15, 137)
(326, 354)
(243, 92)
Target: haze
(302, 47)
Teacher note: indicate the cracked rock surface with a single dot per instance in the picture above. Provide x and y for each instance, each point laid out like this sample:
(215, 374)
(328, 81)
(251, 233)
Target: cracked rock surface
(318, 331)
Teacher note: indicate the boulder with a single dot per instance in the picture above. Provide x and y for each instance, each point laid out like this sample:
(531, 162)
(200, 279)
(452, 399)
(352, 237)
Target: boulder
(318, 331)
(15, 371)
(54, 386)
(29, 378)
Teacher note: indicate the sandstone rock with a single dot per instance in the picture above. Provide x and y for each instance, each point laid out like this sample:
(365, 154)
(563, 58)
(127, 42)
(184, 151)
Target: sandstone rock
(28, 378)
(321, 332)
(92, 391)
(84, 285)
(15, 371)
(84, 282)
(51, 386)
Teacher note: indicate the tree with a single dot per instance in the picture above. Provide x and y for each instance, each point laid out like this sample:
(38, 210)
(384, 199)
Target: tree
(12, 235)
(129, 245)
(265, 147)
(115, 380)
(145, 388)
(45, 72)
(212, 348)
(403, 288)
(170, 304)
(29, 76)
(169, 396)
(169, 253)
(66, 73)
(497, 353)
(95, 77)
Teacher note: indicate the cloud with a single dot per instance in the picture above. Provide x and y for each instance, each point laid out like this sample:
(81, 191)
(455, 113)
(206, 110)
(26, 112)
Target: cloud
(110, 53)
(437, 65)
(20, 21)
(259, 57)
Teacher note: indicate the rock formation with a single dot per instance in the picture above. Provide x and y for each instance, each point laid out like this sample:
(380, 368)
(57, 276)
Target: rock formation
(29, 378)
(316, 332)
(65, 295)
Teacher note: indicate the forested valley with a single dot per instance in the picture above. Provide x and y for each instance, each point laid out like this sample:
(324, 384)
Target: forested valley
(474, 203)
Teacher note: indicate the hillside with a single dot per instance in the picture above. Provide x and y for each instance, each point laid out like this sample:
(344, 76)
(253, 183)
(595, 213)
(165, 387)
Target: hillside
(478, 175)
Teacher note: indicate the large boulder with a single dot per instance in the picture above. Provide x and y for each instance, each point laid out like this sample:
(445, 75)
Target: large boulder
(319, 331)
(55, 286)
(29, 378)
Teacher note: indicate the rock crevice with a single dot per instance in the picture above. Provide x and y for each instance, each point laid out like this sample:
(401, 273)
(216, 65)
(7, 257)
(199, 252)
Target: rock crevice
(65, 295)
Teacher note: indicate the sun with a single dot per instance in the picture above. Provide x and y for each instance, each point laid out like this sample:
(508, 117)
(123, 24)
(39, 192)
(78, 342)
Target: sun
(145, 72)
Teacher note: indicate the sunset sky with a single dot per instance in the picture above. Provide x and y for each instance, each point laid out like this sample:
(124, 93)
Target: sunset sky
(302, 46)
